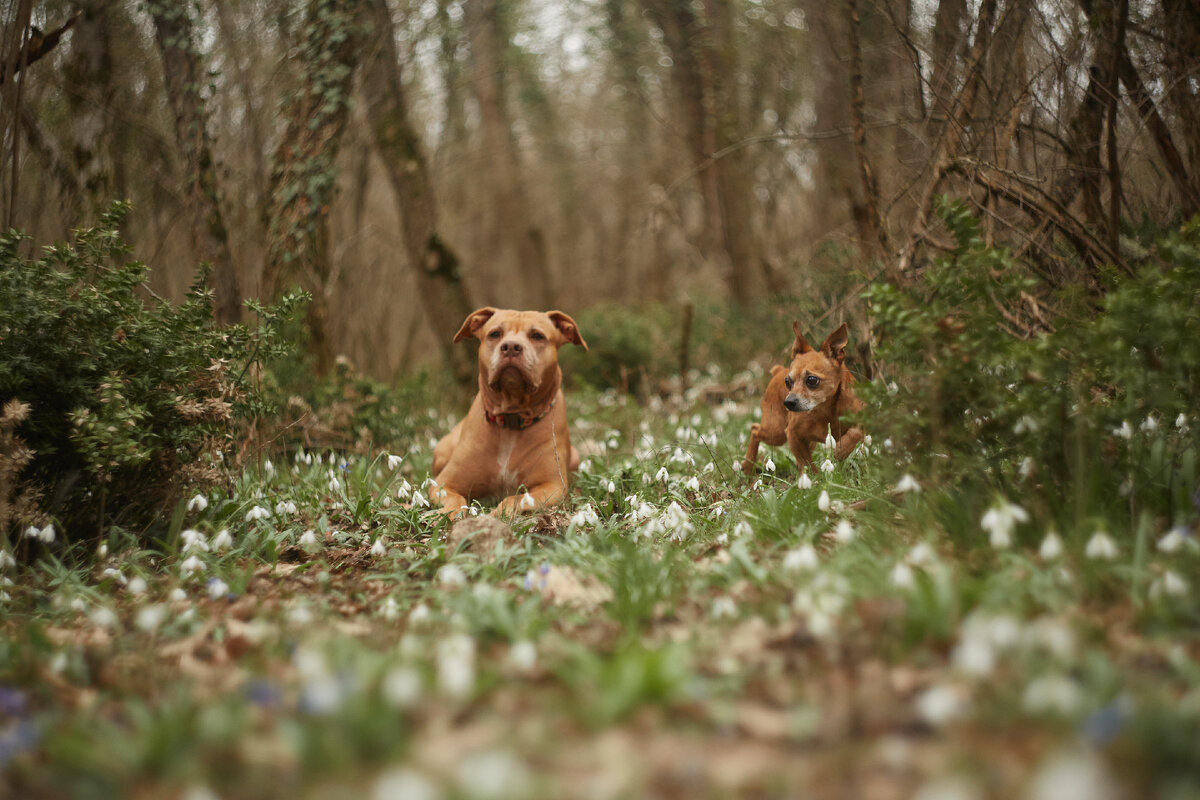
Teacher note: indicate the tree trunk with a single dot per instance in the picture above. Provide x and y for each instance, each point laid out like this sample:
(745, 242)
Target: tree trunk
(872, 230)
(444, 296)
(88, 72)
(517, 228)
(704, 74)
(303, 171)
(183, 69)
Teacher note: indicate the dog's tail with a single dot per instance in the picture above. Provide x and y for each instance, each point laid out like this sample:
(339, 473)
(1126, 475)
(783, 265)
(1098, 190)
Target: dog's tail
(775, 370)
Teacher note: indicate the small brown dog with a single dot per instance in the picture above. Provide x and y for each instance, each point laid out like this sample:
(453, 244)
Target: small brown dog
(514, 440)
(806, 401)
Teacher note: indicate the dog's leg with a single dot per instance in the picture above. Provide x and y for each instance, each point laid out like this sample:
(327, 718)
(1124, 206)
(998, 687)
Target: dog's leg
(847, 443)
(801, 449)
(545, 494)
(452, 502)
(772, 429)
(445, 448)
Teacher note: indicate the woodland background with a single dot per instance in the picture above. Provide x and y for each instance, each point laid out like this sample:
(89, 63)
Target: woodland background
(407, 160)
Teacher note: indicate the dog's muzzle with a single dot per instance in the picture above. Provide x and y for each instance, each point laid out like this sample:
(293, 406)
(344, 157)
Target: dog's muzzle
(794, 402)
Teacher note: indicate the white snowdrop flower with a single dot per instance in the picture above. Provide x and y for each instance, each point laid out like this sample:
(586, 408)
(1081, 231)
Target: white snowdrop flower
(217, 588)
(585, 516)
(723, 539)
(1174, 540)
(222, 541)
(335, 485)
(378, 549)
(78, 604)
(921, 554)
(115, 574)
(830, 442)
(197, 503)
(451, 575)
(827, 466)
(1054, 693)
(1026, 468)
(194, 541)
(419, 501)
(1052, 547)
(308, 541)
(844, 532)
(402, 686)
(47, 534)
(907, 483)
(662, 475)
(801, 559)
(269, 468)
(1101, 546)
(709, 468)
(823, 501)
(1125, 431)
(257, 512)
(1052, 635)
(736, 466)
(456, 665)
(522, 655)
(393, 461)
(389, 609)
(1149, 425)
(1181, 423)
(420, 614)
(403, 490)
(677, 521)
(941, 704)
(527, 501)
(742, 529)
(1073, 775)
(804, 482)
(717, 511)
(999, 521)
(149, 617)
(190, 565)
(102, 550)
(177, 595)
(492, 775)
(902, 576)
(6, 560)
(692, 484)
(1025, 424)
(285, 507)
(974, 656)
(402, 783)
(610, 487)
(770, 465)
(724, 608)
(103, 617)
(137, 585)
(1171, 583)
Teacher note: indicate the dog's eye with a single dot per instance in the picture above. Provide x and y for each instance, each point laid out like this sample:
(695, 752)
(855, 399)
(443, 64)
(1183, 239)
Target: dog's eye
(812, 381)
(537, 336)
(787, 381)
(495, 333)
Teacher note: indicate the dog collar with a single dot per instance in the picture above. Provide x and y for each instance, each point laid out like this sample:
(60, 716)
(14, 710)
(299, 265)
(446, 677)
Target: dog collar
(515, 422)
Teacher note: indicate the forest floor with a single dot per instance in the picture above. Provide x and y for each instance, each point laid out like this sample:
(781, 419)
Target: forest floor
(676, 630)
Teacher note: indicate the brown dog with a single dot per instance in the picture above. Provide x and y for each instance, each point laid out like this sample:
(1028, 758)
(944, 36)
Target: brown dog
(514, 441)
(805, 402)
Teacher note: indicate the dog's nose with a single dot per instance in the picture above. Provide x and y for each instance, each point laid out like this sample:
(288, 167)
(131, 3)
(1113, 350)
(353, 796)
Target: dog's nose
(791, 403)
(510, 348)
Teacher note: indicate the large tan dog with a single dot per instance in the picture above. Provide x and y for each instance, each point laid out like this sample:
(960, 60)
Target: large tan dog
(514, 441)
(806, 400)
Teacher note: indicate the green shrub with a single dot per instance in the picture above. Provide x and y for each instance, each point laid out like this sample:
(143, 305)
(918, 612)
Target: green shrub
(1059, 400)
(132, 400)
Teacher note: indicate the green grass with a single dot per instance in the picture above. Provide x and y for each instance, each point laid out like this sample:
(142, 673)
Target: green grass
(677, 629)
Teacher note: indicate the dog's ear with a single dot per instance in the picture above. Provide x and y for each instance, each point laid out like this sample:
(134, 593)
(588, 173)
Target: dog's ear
(475, 320)
(567, 327)
(835, 345)
(800, 345)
